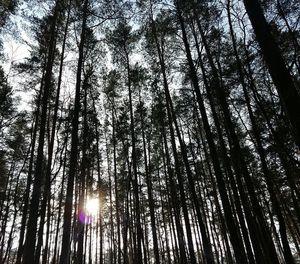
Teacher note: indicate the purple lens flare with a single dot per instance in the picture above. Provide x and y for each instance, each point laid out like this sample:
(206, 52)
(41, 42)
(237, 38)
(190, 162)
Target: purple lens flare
(85, 218)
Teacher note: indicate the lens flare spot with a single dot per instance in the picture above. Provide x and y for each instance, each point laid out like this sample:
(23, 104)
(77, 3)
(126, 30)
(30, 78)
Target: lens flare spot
(84, 218)
(92, 206)
(89, 212)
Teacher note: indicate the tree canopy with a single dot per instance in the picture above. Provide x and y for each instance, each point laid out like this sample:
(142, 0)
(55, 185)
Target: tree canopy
(149, 132)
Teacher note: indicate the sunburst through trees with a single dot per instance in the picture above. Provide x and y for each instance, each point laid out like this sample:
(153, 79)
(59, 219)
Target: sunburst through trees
(149, 132)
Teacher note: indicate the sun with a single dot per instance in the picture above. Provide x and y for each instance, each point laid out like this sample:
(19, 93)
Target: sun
(92, 206)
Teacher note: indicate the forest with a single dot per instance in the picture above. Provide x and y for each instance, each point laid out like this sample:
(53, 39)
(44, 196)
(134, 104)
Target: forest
(149, 131)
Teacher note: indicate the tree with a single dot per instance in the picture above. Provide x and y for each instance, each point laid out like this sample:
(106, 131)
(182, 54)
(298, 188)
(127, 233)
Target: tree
(282, 79)
(154, 132)
(65, 248)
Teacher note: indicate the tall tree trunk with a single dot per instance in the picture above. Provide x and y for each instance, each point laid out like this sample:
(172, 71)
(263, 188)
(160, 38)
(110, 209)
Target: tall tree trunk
(239, 162)
(235, 236)
(174, 149)
(47, 188)
(149, 191)
(99, 188)
(268, 177)
(138, 257)
(174, 202)
(39, 175)
(286, 87)
(249, 217)
(29, 174)
(65, 248)
(83, 179)
(60, 203)
(116, 185)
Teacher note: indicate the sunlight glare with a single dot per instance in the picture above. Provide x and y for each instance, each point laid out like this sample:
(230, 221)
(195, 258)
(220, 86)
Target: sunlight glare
(92, 206)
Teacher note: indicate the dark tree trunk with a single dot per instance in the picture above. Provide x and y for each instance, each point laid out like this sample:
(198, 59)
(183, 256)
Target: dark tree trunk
(171, 118)
(60, 203)
(47, 188)
(268, 177)
(149, 191)
(29, 176)
(65, 248)
(139, 256)
(286, 87)
(39, 175)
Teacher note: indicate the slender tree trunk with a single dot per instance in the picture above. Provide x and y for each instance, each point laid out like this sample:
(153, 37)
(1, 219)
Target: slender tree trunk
(235, 236)
(29, 175)
(138, 257)
(239, 161)
(6, 217)
(268, 177)
(83, 179)
(174, 203)
(64, 161)
(149, 191)
(286, 87)
(99, 188)
(116, 185)
(39, 175)
(47, 188)
(65, 248)
(47, 245)
(252, 231)
(111, 236)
